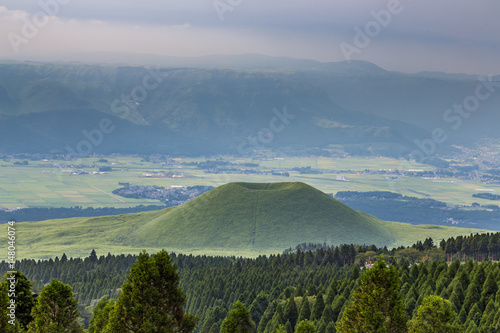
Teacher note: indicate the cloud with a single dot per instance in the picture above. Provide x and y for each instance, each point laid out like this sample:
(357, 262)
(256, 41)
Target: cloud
(426, 35)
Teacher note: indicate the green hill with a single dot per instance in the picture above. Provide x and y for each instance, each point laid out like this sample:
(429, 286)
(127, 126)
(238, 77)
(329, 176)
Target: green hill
(234, 219)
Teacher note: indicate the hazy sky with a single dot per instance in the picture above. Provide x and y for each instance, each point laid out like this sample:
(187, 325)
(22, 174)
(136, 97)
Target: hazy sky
(460, 36)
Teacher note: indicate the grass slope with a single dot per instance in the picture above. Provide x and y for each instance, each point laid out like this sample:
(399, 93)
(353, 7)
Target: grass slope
(245, 219)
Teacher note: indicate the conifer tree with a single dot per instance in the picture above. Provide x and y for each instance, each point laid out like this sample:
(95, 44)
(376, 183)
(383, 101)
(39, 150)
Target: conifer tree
(488, 315)
(475, 314)
(318, 307)
(56, 310)
(327, 315)
(305, 326)
(299, 291)
(100, 315)
(330, 295)
(457, 297)
(472, 296)
(434, 315)
(337, 306)
(281, 329)
(291, 313)
(238, 320)
(490, 288)
(267, 316)
(462, 317)
(151, 299)
(376, 305)
(321, 327)
(258, 307)
(278, 319)
(330, 328)
(305, 309)
(472, 328)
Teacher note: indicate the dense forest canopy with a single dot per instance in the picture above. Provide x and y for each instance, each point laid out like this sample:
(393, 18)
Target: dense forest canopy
(319, 280)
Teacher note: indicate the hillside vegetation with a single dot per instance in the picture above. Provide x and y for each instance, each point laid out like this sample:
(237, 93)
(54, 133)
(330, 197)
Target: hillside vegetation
(246, 219)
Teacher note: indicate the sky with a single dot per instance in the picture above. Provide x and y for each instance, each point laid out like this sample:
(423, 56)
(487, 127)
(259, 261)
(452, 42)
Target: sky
(454, 36)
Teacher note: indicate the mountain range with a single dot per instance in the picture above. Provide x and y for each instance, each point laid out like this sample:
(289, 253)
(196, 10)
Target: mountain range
(235, 105)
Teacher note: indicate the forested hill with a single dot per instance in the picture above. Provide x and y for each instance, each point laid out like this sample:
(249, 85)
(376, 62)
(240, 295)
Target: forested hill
(320, 282)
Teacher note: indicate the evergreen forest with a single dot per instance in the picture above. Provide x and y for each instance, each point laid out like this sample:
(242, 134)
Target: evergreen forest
(312, 288)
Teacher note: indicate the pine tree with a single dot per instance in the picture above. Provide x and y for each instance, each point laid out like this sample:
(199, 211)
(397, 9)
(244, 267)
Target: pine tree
(305, 326)
(330, 295)
(457, 297)
(56, 310)
(305, 310)
(376, 305)
(100, 315)
(490, 288)
(258, 307)
(462, 317)
(488, 315)
(215, 317)
(472, 328)
(327, 315)
(318, 307)
(475, 314)
(267, 316)
(410, 306)
(472, 296)
(291, 313)
(321, 327)
(337, 306)
(151, 299)
(278, 319)
(299, 291)
(330, 328)
(434, 315)
(238, 320)
(281, 329)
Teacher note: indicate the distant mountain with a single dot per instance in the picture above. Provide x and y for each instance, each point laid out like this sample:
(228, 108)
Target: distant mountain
(253, 62)
(363, 108)
(234, 219)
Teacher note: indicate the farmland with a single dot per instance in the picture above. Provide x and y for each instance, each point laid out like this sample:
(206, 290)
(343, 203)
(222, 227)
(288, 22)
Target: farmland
(57, 183)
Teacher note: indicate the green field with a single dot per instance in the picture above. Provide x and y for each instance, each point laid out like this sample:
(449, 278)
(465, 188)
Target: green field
(39, 185)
